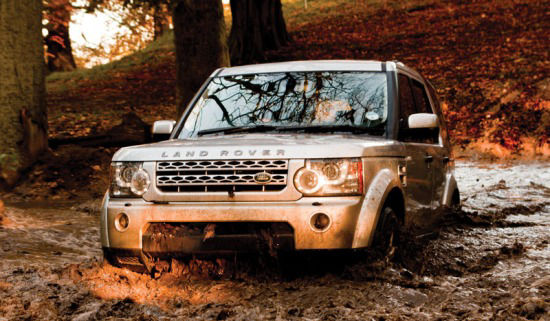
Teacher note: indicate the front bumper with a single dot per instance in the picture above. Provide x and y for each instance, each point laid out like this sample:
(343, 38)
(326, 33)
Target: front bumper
(342, 211)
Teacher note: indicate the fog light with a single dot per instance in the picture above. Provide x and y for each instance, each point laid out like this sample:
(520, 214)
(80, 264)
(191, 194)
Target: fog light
(121, 222)
(320, 222)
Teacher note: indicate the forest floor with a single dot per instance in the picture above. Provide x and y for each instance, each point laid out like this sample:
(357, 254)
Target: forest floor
(488, 262)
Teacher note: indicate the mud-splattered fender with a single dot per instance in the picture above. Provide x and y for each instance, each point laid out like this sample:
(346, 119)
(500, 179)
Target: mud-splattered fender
(104, 236)
(377, 192)
(450, 186)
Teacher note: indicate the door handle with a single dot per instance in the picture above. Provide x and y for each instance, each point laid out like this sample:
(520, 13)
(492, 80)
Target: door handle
(428, 158)
(446, 159)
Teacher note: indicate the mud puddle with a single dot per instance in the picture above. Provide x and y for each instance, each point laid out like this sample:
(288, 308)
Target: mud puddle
(491, 261)
(51, 234)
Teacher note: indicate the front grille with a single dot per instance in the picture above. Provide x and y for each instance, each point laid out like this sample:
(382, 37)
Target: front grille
(221, 176)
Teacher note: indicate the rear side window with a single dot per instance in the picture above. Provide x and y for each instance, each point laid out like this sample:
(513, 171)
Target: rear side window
(420, 98)
(414, 99)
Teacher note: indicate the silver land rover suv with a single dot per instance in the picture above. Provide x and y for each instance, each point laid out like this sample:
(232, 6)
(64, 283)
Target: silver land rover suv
(287, 156)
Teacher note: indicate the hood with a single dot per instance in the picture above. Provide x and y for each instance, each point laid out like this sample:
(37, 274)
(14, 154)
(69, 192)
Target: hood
(262, 146)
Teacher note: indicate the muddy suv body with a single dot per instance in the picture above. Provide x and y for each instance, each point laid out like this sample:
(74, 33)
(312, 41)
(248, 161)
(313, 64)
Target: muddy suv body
(287, 156)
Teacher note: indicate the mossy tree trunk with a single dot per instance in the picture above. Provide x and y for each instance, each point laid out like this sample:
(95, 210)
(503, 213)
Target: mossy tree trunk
(23, 122)
(200, 40)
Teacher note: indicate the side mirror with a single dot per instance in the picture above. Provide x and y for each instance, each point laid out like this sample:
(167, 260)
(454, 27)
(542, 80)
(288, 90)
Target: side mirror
(162, 129)
(423, 120)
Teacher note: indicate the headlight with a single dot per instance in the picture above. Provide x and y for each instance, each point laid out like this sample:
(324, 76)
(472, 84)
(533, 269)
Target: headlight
(330, 177)
(128, 179)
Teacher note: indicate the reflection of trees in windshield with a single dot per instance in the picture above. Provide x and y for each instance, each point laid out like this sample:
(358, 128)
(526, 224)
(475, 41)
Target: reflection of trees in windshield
(291, 99)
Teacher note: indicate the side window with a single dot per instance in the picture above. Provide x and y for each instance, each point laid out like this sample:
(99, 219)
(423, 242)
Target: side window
(406, 108)
(420, 98)
(427, 136)
(413, 99)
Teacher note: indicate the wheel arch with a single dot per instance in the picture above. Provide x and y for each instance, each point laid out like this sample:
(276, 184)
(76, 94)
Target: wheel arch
(385, 186)
(396, 200)
(451, 187)
(103, 228)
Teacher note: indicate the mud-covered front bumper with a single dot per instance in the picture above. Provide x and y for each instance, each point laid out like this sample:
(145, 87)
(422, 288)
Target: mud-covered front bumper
(342, 211)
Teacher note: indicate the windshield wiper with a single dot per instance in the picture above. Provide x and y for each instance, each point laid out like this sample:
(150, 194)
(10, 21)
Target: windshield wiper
(378, 130)
(334, 128)
(237, 129)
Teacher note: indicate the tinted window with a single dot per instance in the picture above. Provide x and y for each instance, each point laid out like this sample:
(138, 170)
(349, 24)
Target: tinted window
(428, 136)
(420, 98)
(406, 108)
(291, 99)
(406, 100)
(414, 100)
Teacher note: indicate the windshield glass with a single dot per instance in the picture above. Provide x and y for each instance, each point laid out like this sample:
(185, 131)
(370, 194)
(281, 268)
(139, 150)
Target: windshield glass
(290, 101)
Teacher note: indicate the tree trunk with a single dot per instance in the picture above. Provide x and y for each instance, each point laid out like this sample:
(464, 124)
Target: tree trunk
(23, 122)
(161, 20)
(200, 40)
(258, 25)
(59, 52)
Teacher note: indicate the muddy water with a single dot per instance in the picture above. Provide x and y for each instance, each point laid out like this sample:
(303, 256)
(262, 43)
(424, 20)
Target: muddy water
(48, 234)
(490, 261)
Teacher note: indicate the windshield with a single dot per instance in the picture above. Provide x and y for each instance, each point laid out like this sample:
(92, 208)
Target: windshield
(337, 101)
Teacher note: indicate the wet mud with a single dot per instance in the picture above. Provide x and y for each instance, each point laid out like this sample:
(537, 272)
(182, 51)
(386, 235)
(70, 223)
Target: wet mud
(489, 261)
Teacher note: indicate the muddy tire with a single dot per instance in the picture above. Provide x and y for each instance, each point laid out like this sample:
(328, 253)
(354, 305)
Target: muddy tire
(387, 235)
(109, 259)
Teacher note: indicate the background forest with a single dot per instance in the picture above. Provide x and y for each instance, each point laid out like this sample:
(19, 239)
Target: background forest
(487, 59)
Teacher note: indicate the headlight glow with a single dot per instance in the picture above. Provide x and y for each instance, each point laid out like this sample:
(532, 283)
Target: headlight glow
(128, 179)
(126, 174)
(309, 181)
(140, 182)
(331, 171)
(330, 177)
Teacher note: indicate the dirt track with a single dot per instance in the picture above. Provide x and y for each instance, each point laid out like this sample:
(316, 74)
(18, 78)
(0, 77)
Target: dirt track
(491, 261)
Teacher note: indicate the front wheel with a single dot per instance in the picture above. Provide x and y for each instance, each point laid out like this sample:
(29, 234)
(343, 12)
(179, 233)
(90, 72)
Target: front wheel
(386, 237)
(109, 259)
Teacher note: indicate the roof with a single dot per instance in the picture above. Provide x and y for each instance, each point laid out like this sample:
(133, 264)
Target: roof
(309, 65)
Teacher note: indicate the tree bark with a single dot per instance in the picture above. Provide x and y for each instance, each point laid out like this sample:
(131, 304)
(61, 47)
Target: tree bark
(258, 25)
(23, 120)
(59, 52)
(200, 41)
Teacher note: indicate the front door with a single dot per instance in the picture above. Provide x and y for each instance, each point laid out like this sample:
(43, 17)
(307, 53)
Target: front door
(435, 151)
(421, 154)
(420, 172)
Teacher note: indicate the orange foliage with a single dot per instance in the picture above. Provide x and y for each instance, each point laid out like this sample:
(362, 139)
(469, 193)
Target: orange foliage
(488, 60)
